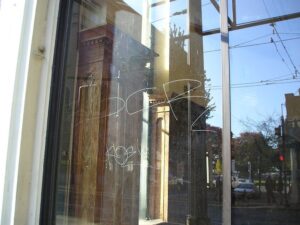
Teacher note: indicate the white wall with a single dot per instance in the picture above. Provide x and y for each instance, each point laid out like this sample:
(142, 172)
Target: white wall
(11, 98)
(28, 29)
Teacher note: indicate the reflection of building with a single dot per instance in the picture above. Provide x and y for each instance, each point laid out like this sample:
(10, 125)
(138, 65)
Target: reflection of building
(292, 127)
(158, 182)
(105, 139)
(137, 153)
(26, 96)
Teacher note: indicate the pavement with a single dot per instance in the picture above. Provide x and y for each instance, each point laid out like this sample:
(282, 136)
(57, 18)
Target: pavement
(256, 211)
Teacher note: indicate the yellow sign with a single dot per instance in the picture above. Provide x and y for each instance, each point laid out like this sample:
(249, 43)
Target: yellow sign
(218, 167)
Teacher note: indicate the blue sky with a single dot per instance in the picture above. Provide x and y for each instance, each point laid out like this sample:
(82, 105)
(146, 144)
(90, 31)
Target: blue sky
(254, 61)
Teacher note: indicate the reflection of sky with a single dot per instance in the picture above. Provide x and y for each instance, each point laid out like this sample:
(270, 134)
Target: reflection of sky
(210, 16)
(260, 63)
(261, 9)
(137, 5)
(251, 63)
(159, 16)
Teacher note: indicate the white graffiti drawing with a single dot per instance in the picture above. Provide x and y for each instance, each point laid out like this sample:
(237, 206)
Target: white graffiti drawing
(119, 109)
(120, 154)
(130, 96)
(179, 95)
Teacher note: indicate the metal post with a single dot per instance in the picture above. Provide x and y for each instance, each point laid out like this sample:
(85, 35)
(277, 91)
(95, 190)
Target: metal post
(234, 12)
(189, 151)
(196, 143)
(283, 162)
(226, 134)
(249, 171)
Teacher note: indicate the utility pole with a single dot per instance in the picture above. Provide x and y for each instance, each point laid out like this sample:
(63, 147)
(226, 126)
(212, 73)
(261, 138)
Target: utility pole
(284, 158)
(249, 171)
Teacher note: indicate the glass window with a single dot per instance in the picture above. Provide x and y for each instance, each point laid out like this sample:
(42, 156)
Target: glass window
(135, 129)
(140, 122)
(248, 11)
(265, 105)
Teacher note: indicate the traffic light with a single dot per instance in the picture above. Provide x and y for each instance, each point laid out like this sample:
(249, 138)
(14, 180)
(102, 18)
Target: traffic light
(281, 157)
(278, 131)
(278, 157)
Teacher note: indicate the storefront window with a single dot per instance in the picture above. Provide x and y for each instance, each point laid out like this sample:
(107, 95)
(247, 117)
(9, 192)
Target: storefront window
(140, 128)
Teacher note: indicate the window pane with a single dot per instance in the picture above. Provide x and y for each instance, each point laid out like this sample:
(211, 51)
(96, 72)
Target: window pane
(140, 133)
(265, 113)
(247, 11)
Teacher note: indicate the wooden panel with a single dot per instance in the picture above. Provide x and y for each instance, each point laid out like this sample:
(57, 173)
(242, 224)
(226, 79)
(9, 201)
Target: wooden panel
(90, 126)
(105, 189)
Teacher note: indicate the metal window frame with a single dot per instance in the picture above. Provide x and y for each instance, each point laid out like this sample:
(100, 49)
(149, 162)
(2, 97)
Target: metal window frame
(47, 206)
(226, 112)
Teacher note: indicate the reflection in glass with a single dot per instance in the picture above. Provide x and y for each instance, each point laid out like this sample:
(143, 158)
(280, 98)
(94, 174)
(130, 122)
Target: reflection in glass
(140, 135)
(247, 11)
(265, 110)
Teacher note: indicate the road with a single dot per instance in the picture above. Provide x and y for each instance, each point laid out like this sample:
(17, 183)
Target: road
(256, 212)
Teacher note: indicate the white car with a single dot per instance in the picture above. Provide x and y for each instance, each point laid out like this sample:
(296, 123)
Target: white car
(246, 191)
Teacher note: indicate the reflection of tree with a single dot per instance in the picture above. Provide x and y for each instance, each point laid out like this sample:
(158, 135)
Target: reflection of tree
(257, 145)
(179, 52)
(252, 147)
(208, 98)
(177, 36)
(188, 148)
(266, 127)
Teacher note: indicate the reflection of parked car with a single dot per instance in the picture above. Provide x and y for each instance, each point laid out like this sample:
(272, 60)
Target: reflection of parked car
(246, 191)
(244, 180)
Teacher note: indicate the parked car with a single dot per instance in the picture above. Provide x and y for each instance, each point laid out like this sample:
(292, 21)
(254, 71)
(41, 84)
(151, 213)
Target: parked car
(246, 191)
(244, 180)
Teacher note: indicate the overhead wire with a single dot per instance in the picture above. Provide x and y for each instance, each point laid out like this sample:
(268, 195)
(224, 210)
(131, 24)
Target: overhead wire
(279, 37)
(261, 82)
(281, 76)
(271, 83)
(251, 45)
(286, 51)
(274, 80)
(264, 81)
(296, 80)
(282, 58)
(254, 39)
(264, 43)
